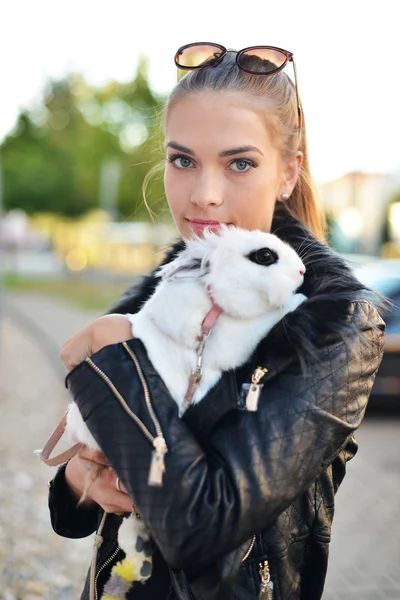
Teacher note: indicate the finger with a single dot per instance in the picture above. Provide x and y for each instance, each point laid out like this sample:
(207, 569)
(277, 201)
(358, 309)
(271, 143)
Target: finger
(68, 360)
(115, 509)
(95, 455)
(109, 478)
(76, 348)
(121, 486)
(108, 496)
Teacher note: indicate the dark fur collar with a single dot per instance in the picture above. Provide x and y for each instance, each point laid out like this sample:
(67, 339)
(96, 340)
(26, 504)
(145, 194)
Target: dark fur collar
(328, 284)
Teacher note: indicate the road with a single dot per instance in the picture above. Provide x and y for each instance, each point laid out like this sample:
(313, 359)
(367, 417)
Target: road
(35, 563)
(365, 548)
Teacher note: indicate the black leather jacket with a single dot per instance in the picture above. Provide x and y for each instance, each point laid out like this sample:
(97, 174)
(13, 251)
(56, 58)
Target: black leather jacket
(232, 474)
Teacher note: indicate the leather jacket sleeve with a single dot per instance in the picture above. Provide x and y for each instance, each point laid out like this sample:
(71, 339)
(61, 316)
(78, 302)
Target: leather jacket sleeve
(67, 519)
(216, 494)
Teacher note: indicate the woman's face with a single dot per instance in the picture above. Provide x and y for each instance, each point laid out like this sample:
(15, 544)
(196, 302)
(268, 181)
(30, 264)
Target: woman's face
(222, 165)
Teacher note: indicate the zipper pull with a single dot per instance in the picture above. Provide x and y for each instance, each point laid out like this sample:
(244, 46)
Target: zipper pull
(267, 587)
(255, 388)
(157, 465)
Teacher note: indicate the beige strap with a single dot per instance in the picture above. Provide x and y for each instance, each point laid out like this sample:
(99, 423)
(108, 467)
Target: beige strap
(52, 443)
(206, 327)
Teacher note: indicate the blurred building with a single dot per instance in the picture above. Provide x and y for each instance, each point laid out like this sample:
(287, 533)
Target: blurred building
(48, 244)
(360, 211)
(95, 242)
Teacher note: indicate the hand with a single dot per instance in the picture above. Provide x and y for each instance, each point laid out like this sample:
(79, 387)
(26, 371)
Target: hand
(103, 491)
(110, 329)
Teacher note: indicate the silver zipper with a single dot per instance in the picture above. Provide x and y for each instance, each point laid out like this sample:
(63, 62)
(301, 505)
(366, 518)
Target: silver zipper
(103, 566)
(255, 388)
(146, 390)
(267, 587)
(157, 465)
(258, 374)
(250, 548)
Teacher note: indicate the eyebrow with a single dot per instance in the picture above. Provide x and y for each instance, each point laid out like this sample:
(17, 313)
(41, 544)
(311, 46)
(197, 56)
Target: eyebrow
(177, 146)
(240, 150)
(232, 152)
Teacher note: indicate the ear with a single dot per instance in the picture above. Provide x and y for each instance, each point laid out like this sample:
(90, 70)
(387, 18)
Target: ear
(291, 173)
(183, 267)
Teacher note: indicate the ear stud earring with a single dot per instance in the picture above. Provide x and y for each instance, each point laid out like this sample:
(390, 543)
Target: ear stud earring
(284, 197)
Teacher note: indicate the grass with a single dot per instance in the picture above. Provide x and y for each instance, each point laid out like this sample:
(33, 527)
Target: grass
(78, 291)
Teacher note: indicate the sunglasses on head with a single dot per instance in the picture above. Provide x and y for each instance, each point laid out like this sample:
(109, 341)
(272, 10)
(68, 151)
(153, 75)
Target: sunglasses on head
(267, 59)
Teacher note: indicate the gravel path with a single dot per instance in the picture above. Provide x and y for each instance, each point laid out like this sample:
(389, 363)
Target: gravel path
(35, 563)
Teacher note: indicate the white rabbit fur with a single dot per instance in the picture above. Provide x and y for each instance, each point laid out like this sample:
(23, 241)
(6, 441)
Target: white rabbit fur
(253, 298)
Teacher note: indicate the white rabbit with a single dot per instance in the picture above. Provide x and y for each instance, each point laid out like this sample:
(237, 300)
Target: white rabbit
(251, 275)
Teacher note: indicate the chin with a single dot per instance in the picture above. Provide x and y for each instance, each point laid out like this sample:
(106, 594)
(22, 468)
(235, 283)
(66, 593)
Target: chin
(186, 232)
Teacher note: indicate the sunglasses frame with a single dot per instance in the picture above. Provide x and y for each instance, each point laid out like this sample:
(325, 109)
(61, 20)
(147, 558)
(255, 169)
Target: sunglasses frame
(288, 58)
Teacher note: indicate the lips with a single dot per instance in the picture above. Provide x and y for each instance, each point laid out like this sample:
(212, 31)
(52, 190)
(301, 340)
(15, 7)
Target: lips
(199, 225)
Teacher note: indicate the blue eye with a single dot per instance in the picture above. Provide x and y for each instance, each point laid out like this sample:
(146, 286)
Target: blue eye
(242, 165)
(180, 161)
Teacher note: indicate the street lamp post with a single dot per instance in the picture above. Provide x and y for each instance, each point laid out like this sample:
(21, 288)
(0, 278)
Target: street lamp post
(110, 175)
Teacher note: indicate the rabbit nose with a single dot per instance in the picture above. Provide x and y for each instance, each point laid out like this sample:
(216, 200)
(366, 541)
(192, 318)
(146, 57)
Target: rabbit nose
(302, 272)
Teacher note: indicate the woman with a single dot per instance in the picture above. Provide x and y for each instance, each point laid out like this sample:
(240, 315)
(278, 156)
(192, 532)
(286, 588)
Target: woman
(245, 496)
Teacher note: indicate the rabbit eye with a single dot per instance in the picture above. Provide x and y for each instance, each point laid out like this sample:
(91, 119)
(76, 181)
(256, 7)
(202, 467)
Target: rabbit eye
(264, 257)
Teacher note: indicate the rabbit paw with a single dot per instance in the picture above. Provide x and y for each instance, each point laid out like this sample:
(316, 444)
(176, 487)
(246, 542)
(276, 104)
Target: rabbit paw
(135, 540)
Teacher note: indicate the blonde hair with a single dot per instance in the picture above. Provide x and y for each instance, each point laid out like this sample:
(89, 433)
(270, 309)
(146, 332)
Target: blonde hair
(278, 93)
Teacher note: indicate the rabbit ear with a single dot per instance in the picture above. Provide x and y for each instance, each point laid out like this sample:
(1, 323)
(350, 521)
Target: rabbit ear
(184, 267)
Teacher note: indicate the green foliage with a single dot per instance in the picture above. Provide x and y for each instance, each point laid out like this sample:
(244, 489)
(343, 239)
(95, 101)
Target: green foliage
(395, 198)
(54, 158)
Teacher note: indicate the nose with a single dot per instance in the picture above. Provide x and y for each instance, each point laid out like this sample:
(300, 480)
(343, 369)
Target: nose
(302, 272)
(207, 191)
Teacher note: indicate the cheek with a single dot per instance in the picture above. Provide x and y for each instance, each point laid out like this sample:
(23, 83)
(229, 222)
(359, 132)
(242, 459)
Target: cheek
(167, 183)
(172, 190)
(177, 194)
(254, 205)
(255, 193)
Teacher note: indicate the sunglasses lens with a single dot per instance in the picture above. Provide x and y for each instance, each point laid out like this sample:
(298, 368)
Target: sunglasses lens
(262, 60)
(198, 56)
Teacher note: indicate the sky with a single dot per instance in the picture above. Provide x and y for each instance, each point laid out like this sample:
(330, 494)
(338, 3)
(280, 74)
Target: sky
(346, 54)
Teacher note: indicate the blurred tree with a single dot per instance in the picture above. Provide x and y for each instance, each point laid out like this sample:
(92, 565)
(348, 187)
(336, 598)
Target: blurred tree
(54, 158)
